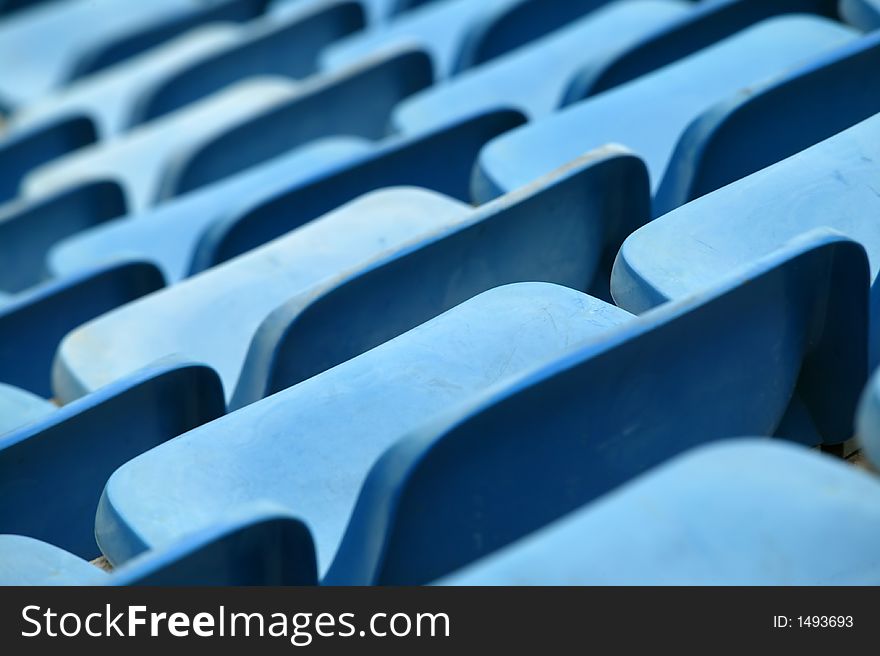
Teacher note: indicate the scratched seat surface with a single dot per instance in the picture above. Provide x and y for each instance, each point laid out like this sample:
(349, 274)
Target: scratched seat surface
(370, 292)
(321, 483)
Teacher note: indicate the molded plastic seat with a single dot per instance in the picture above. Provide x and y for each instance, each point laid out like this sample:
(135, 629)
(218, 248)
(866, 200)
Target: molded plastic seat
(23, 150)
(28, 229)
(564, 229)
(28, 68)
(287, 47)
(139, 159)
(356, 102)
(406, 161)
(378, 12)
(864, 14)
(751, 132)
(540, 446)
(518, 25)
(503, 242)
(108, 97)
(212, 317)
(650, 114)
(706, 518)
(706, 24)
(19, 407)
(298, 448)
(548, 64)
(832, 184)
(32, 324)
(10, 6)
(107, 53)
(52, 470)
(167, 235)
(26, 561)
(262, 547)
(439, 29)
(222, 220)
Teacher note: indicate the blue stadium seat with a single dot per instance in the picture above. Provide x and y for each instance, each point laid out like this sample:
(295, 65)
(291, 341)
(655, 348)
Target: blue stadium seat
(589, 219)
(109, 97)
(704, 519)
(832, 184)
(579, 216)
(553, 439)
(168, 235)
(262, 547)
(29, 69)
(139, 159)
(407, 162)
(548, 63)
(23, 150)
(428, 370)
(402, 292)
(52, 470)
(9, 6)
(356, 102)
(285, 48)
(650, 114)
(706, 24)
(33, 323)
(110, 52)
(222, 220)
(29, 229)
(19, 407)
(439, 29)
(778, 120)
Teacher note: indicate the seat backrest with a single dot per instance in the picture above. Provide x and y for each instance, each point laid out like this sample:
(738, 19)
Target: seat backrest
(288, 48)
(357, 103)
(33, 324)
(29, 229)
(719, 365)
